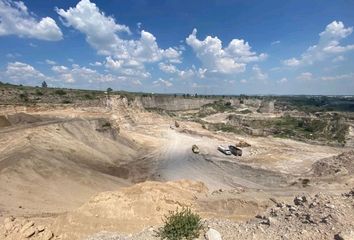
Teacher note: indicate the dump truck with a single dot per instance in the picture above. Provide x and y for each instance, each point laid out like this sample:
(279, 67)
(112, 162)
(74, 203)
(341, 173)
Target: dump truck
(224, 150)
(235, 150)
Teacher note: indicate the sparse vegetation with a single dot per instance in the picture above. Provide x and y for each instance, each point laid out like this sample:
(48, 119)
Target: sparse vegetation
(180, 225)
(24, 96)
(39, 92)
(66, 101)
(106, 125)
(60, 92)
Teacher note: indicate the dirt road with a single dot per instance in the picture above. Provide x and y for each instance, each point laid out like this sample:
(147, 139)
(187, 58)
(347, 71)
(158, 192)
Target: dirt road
(216, 170)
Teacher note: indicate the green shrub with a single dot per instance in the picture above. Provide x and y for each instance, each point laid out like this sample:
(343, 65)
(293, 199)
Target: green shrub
(89, 96)
(106, 125)
(24, 96)
(60, 92)
(180, 225)
(38, 92)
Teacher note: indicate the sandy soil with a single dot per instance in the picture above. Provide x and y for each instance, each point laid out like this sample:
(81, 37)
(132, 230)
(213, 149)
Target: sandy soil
(53, 160)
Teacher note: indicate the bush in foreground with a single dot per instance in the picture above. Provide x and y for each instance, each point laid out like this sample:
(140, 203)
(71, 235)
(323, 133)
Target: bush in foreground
(180, 225)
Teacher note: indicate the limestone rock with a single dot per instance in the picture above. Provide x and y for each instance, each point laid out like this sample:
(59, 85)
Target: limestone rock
(27, 226)
(29, 232)
(46, 235)
(212, 234)
(345, 235)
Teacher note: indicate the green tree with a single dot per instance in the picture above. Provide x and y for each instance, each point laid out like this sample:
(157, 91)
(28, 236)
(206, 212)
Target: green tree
(44, 84)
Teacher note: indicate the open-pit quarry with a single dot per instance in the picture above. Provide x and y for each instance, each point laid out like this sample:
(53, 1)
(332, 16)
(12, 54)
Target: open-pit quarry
(113, 167)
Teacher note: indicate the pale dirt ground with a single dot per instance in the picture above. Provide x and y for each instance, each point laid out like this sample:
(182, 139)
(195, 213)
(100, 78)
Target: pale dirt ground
(50, 168)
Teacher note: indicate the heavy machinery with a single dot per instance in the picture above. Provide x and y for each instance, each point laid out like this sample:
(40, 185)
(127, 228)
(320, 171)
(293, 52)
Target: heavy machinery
(195, 149)
(235, 150)
(224, 150)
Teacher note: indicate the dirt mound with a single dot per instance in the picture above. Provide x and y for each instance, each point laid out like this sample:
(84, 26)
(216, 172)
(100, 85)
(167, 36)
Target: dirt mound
(57, 167)
(129, 209)
(4, 122)
(23, 118)
(342, 164)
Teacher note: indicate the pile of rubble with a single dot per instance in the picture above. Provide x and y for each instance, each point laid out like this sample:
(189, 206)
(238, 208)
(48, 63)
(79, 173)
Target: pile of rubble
(310, 217)
(17, 229)
(307, 217)
(342, 164)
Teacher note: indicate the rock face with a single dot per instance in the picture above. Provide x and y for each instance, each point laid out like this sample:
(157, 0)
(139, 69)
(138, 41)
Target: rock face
(212, 234)
(174, 104)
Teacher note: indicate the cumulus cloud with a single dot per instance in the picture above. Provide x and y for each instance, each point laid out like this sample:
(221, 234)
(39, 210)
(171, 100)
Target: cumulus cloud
(185, 74)
(305, 76)
(17, 20)
(216, 58)
(292, 62)
(283, 80)
(258, 74)
(167, 68)
(79, 74)
(23, 73)
(96, 64)
(328, 45)
(50, 62)
(106, 35)
(338, 77)
(128, 68)
(338, 59)
(162, 82)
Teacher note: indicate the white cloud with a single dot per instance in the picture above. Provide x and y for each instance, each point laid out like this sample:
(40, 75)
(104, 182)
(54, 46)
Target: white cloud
(23, 72)
(128, 68)
(59, 69)
(258, 74)
(162, 82)
(96, 64)
(275, 42)
(105, 35)
(186, 74)
(182, 74)
(338, 77)
(50, 62)
(13, 55)
(283, 80)
(328, 45)
(78, 74)
(292, 62)
(243, 81)
(137, 82)
(17, 20)
(305, 76)
(167, 68)
(338, 59)
(215, 58)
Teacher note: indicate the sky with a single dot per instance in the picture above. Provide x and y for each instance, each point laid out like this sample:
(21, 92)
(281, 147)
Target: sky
(177, 46)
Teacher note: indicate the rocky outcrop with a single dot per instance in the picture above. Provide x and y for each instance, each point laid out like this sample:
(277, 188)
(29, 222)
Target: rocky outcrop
(20, 229)
(174, 103)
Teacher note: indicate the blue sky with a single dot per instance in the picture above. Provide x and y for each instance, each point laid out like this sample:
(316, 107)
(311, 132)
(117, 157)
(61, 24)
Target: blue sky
(205, 47)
